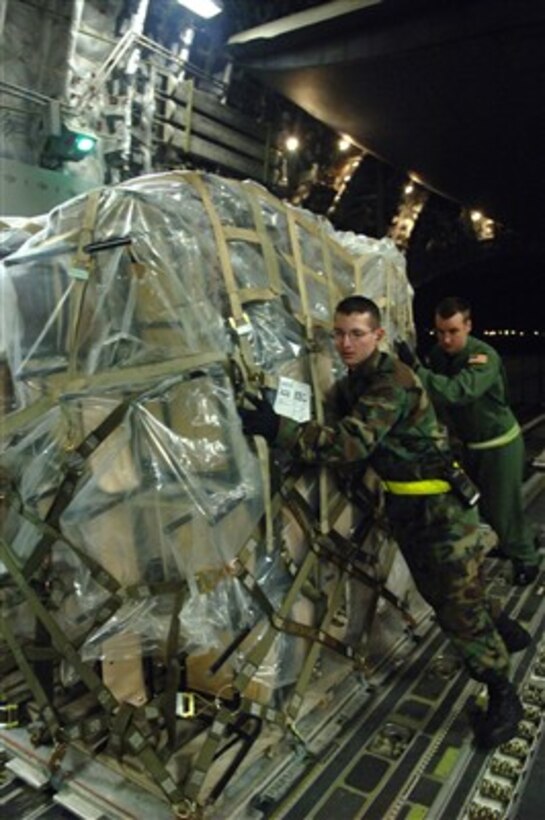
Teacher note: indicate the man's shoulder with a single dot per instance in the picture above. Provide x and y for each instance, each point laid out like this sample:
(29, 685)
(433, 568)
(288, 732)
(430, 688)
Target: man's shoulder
(480, 353)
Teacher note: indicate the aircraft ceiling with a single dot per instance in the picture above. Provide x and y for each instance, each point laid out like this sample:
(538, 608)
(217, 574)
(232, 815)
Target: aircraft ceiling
(452, 91)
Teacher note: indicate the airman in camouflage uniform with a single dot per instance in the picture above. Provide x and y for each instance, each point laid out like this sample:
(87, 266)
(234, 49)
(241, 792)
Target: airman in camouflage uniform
(385, 420)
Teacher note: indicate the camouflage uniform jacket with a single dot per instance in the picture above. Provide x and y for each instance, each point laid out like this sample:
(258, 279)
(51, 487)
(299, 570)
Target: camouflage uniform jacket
(469, 389)
(383, 419)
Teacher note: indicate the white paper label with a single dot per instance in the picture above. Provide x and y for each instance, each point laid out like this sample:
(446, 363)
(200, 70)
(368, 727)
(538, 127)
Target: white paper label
(293, 399)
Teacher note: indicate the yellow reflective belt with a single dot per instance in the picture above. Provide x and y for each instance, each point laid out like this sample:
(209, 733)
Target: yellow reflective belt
(499, 441)
(428, 486)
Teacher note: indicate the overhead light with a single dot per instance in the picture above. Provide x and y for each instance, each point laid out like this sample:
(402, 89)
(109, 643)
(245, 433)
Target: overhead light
(409, 188)
(344, 144)
(292, 144)
(476, 216)
(204, 8)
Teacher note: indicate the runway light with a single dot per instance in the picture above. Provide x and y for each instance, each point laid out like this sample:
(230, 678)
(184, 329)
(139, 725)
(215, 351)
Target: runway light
(204, 8)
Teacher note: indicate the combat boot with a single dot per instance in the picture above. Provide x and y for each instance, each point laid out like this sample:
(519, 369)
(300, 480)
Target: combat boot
(514, 636)
(500, 721)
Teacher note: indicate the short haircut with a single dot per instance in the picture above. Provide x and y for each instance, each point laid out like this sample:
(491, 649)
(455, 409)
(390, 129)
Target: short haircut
(450, 305)
(359, 304)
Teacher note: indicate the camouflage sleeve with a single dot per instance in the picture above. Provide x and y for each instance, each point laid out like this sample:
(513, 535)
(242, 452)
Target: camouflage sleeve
(352, 438)
(476, 377)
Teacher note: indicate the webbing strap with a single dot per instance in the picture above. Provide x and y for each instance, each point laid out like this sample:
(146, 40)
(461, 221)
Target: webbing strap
(309, 333)
(135, 739)
(275, 504)
(61, 643)
(247, 729)
(251, 664)
(173, 671)
(329, 275)
(100, 575)
(83, 263)
(272, 265)
(20, 419)
(322, 546)
(60, 383)
(264, 711)
(119, 727)
(297, 696)
(68, 485)
(290, 627)
(239, 319)
(299, 270)
(207, 752)
(264, 465)
(152, 763)
(45, 706)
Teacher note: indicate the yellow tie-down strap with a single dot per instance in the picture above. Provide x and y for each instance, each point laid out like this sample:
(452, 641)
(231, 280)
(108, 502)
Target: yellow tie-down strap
(499, 441)
(427, 486)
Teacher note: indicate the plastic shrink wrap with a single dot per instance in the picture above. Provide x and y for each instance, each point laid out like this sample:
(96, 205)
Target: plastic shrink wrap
(153, 560)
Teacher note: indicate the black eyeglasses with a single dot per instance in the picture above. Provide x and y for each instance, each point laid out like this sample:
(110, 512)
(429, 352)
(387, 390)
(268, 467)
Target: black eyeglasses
(353, 335)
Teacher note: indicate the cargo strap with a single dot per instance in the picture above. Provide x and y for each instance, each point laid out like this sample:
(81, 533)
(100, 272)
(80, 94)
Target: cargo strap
(120, 725)
(240, 320)
(276, 502)
(58, 384)
(252, 662)
(100, 575)
(336, 548)
(272, 265)
(264, 465)
(309, 333)
(46, 710)
(61, 643)
(428, 486)
(76, 461)
(20, 419)
(80, 272)
(268, 713)
(309, 664)
(498, 441)
(41, 552)
(173, 672)
(290, 627)
(135, 739)
(133, 592)
(246, 728)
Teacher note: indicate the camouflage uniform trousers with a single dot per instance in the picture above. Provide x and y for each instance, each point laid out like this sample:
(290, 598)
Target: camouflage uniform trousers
(439, 540)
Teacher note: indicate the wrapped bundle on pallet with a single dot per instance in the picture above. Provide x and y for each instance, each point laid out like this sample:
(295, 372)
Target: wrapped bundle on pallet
(158, 567)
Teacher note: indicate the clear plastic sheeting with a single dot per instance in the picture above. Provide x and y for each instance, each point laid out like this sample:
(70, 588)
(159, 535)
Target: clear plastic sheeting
(172, 553)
